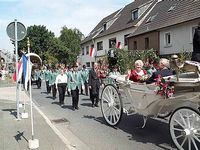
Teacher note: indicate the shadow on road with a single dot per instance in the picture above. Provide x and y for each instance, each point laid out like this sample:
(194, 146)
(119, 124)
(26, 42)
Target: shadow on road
(87, 104)
(12, 112)
(19, 136)
(86, 99)
(57, 103)
(155, 131)
(67, 107)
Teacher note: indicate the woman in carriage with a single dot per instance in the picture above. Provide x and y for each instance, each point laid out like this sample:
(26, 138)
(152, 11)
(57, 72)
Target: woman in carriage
(138, 74)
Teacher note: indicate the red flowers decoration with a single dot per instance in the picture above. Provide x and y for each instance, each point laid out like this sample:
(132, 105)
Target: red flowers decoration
(164, 88)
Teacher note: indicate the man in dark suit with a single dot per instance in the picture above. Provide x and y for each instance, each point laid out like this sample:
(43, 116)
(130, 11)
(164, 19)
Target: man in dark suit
(94, 85)
(163, 71)
(196, 45)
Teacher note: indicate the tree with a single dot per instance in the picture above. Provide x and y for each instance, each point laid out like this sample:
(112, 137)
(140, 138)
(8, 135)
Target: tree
(71, 38)
(40, 40)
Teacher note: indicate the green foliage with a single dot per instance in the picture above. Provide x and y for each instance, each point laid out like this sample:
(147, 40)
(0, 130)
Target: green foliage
(71, 38)
(125, 59)
(185, 55)
(40, 39)
(52, 50)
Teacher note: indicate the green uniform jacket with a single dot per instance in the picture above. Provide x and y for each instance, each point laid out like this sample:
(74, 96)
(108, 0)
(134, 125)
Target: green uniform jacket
(85, 75)
(38, 75)
(75, 80)
(110, 80)
(53, 76)
(47, 75)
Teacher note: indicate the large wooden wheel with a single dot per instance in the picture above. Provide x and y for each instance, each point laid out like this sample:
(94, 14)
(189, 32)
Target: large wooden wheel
(185, 129)
(111, 105)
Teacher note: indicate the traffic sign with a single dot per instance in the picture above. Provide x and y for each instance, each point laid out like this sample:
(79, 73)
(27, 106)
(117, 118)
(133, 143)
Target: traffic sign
(21, 31)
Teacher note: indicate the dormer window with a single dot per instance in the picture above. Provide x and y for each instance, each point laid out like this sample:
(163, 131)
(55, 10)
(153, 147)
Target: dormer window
(171, 8)
(151, 18)
(135, 14)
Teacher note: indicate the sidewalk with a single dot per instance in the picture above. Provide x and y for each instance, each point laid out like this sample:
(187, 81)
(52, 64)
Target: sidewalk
(15, 134)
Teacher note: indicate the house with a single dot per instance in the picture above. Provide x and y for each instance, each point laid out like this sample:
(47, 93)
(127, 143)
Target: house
(113, 30)
(168, 28)
(6, 58)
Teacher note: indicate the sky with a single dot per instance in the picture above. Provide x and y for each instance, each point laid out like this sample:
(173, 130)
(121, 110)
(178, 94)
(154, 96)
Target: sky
(54, 14)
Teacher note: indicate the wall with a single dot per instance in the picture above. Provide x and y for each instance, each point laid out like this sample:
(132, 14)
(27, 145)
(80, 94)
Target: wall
(119, 38)
(140, 39)
(181, 38)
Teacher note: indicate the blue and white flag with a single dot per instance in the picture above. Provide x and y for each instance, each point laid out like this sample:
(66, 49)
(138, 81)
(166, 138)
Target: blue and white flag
(26, 70)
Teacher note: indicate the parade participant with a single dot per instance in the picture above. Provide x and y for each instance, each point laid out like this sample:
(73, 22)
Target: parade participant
(138, 74)
(47, 74)
(52, 82)
(163, 70)
(94, 85)
(67, 72)
(38, 77)
(85, 76)
(75, 83)
(61, 83)
(113, 72)
(196, 44)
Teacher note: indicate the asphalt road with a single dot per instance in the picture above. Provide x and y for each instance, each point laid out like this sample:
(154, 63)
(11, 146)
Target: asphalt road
(86, 129)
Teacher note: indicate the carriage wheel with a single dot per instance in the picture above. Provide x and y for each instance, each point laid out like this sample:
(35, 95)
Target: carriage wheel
(185, 129)
(111, 105)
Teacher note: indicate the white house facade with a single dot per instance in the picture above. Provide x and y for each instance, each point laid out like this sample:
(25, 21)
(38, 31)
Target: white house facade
(113, 30)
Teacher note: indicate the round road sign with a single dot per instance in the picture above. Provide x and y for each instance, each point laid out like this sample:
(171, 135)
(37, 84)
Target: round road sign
(21, 31)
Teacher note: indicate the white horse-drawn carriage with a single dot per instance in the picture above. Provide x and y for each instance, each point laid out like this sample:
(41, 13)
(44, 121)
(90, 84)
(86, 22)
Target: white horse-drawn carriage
(181, 107)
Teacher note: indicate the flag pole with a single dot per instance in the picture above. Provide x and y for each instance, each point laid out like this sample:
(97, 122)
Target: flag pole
(16, 57)
(33, 143)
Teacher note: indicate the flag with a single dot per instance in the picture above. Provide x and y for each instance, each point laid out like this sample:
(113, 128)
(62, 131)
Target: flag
(19, 72)
(92, 51)
(26, 70)
(119, 45)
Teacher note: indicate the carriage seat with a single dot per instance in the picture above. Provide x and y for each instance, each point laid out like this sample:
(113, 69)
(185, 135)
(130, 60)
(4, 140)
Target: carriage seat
(189, 76)
(133, 85)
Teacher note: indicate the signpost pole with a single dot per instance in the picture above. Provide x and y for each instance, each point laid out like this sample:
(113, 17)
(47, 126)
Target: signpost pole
(17, 84)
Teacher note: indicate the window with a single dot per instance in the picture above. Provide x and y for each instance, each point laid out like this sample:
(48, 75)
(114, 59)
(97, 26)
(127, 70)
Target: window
(104, 26)
(126, 39)
(167, 39)
(192, 30)
(135, 45)
(82, 50)
(87, 50)
(87, 64)
(146, 43)
(100, 45)
(135, 14)
(112, 43)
